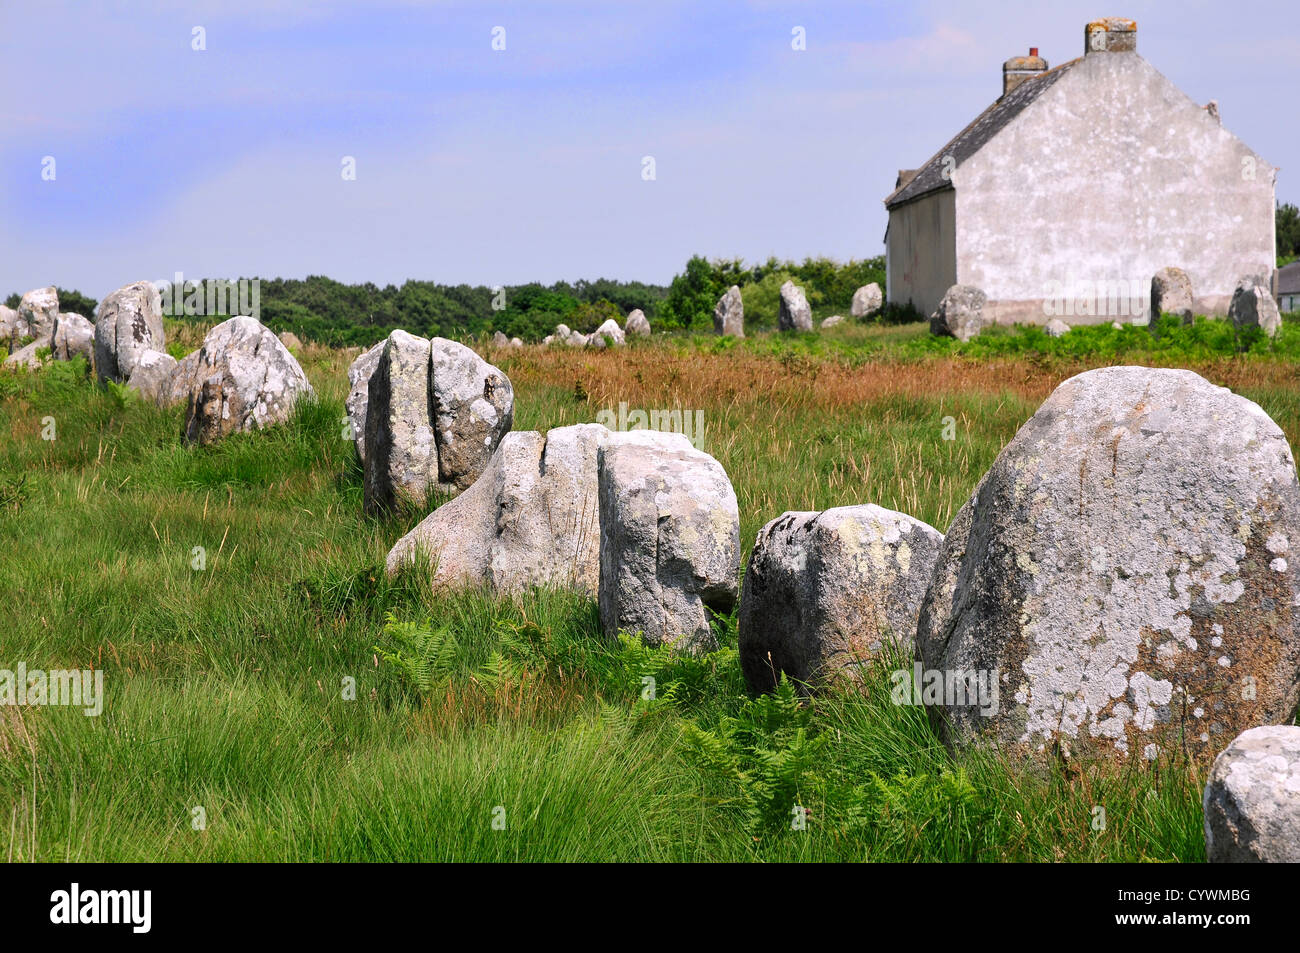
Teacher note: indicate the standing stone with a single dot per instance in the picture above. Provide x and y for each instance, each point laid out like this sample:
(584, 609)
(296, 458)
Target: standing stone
(290, 340)
(12, 328)
(1253, 306)
(129, 322)
(183, 379)
(795, 315)
(531, 519)
(516, 342)
(1056, 328)
(961, 313)
(1125, 567)
(153, 375)
(74, 336)
(826, 591)
(401, 455)
(610, 333)
(669, 540)
(637, 324)
(1252, 800)
(358, 391)
(867, 300)
(833, 320)
(244, 379)
(500, 340)
(39, 310)
(473, 408)
(729, 314)
(1171, 293)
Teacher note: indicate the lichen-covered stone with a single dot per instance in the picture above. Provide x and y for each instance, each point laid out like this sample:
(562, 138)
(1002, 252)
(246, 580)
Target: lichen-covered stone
(12, 327)
(153, 375)
(1253, 306)
(1126, 567)
(473, 408)
(833, 320)
(669, 540)
(39, 310)
(129, 322)
(1056, 328)
(1252, 799)
(961, 313)
(74, 336)
(795, 313)
(610, 333)
(359, 374)
(826, 591)
(243, 379)
(867, 300)
(729, 314)
(1171, 293)
(637, 324)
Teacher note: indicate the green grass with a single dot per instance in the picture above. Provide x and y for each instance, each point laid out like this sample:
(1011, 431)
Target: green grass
(225, 685)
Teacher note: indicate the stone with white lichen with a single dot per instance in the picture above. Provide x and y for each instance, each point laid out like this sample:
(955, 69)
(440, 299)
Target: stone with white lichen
(1252, 800)
(1126, 566)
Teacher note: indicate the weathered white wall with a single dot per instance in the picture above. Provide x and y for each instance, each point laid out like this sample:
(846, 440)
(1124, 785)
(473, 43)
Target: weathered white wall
(922, 251)
(1111, 175)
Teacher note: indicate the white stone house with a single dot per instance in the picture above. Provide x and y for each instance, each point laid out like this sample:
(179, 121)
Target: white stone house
(1067, 194)
(1288, 287)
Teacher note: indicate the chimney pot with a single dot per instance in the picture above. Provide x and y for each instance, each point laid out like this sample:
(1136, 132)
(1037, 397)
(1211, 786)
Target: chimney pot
(1020, 68)
(1033, 51)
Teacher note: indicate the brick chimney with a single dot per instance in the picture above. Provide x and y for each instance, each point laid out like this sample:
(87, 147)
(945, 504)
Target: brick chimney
(1020, 68)
(1110, 35)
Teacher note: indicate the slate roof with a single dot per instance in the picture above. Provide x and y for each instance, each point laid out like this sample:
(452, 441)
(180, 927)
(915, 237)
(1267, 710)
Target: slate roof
(1288, 279)
(971, 139)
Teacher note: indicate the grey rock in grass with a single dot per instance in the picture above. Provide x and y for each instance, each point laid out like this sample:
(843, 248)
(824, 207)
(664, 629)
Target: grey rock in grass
(500, 340)
(1171, 293)
(74, 336)
(531, 519)
(129, 322)
(867, 300)
(1125, 568)
(473, 408)
(826, 591)
(359, 373)
(183, 378)
(290, 340)
(637, 324)
(960, 313)
(1056, 328)
(244, 379)
(1252, 799)
(12, 327)
(610, 333)
(153, 375)
(1253, 306)
(669, 540)
(833, 320)
(25, 356)
(39, 310)
(516, 342)
(795, 313)
(729, 314)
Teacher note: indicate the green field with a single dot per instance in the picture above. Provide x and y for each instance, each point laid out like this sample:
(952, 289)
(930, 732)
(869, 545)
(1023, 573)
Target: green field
(487, 728)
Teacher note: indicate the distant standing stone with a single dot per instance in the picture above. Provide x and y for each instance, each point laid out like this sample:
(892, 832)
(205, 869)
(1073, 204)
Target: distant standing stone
(867, 300)
(1171, 293)
(74, 336)
(795, 314)
(961, 313)
(39, 310)
(729, 314)
(833, 320)
(637, 323)
(1253, 306)
(1252, 800)
(1056, 328)
(290, 340)
(129, 322)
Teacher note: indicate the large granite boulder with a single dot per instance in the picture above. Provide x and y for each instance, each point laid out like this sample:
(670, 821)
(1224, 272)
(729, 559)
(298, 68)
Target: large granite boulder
(12, 328)
(359, 374)
(1125, 567)
(960, 313)
(1252, 800)
(1253, 306)
(795, 315)
(729, 314)
(74, 336)
(1171, 293)
(609, 333)
(244, 379)
(826, 591)
(531, 519)
(435, 413)
(669, 540)
(39, 310)
(129, 322)
(153, 375)
(183, 378)
(25, 356)
(637, 324)
(867, 300)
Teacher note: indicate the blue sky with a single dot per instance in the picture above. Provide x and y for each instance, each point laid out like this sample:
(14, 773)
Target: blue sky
(500, 167)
